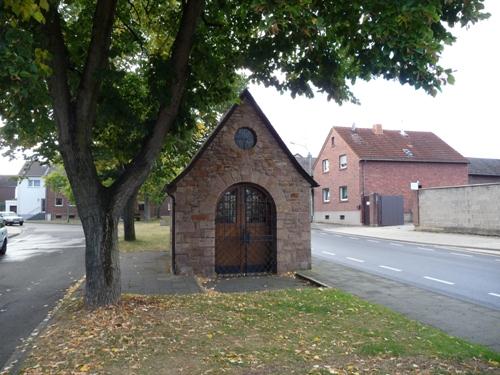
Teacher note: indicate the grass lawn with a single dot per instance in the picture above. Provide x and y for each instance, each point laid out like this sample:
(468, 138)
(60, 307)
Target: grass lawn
(150, 236)
(309, 331)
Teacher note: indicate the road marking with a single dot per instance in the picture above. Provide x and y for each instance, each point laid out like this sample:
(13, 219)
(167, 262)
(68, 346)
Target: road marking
(425, 248)
(356, 260)
(494, 294)
(375, 241)
(391, 268)
(327, 252)
(337, 235)
(354, 238)
(439, 280)
(497, 259)
(462, 255)
(396, 244)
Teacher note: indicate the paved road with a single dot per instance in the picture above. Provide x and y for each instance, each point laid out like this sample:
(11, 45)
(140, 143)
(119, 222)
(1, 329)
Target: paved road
(451, 271)
(39, 265)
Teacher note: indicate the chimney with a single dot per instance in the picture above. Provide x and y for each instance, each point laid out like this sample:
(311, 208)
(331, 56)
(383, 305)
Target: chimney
(377, 129)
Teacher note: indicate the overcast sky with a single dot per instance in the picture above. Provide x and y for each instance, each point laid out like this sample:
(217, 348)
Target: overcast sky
(465, 115)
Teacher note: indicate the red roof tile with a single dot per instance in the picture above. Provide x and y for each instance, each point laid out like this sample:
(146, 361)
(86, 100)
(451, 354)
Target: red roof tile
(399, 146)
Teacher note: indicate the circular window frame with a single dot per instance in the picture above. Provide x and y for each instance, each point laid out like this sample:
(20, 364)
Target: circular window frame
(241, 142)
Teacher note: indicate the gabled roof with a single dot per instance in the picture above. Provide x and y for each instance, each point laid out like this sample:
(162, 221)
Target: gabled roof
(8, 181)
(395, 145)
(304, 162)
(484, 167)
(245, 95)
(34, 168)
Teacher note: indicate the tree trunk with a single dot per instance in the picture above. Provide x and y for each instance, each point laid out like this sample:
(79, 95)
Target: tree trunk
(129, 218)
(102, 261)
(147, 208)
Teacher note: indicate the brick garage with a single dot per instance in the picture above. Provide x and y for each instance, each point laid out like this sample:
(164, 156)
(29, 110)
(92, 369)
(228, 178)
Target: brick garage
(243, 188)
(383, 162)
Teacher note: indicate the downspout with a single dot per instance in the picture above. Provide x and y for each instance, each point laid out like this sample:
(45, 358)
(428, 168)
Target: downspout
(172, 232)
(363, 162)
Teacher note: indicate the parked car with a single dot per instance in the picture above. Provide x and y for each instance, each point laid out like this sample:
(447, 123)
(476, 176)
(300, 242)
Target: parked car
(11, 218)
(3, 237)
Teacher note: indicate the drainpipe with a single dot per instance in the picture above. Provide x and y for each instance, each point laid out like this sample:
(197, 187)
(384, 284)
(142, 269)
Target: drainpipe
(311, 203)
(363, 191)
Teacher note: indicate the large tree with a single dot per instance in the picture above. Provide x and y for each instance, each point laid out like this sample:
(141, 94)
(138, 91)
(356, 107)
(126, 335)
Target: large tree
(75, 75)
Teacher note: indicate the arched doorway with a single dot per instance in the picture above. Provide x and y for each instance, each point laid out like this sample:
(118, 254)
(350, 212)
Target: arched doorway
(245, 231)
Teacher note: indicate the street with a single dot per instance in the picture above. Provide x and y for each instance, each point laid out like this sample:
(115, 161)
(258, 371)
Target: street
(465, 275)
(40, 264)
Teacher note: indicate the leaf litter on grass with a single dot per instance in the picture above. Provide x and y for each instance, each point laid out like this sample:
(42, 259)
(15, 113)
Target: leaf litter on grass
(284, 332)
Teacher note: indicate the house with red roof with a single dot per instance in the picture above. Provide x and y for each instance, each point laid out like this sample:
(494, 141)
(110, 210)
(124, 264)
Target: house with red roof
(355, 163)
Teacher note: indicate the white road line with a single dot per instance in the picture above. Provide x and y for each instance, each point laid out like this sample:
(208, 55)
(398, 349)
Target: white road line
(425, 248)
(355, 259)
(327, 252)
(354, 238)
(391, 268)
(494, 294)
(462, 255)
(396, 244)
(439, 280)
(375, 241)
(497, 259)
(337, 235)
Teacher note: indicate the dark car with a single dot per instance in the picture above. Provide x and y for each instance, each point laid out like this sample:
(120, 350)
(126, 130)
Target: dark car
(11, 218)
(3, 237)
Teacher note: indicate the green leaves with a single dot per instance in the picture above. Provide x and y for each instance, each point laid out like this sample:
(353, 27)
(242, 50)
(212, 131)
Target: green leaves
(26, 9)
(298, 46)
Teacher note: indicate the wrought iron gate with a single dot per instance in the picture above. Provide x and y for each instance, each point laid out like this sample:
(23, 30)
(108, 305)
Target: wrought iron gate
(245, 231)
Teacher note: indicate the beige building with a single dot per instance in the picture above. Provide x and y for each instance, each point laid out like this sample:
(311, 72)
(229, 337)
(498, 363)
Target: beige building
(242, 205)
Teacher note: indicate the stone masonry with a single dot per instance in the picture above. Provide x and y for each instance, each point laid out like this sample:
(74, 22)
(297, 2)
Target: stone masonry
(221, 164)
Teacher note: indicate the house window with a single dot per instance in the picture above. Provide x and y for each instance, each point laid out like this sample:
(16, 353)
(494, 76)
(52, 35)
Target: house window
(326, 195)
(59, 202)
(326, 165)
(343, 193)
(333, 141)
(343, 161)
(34, 183)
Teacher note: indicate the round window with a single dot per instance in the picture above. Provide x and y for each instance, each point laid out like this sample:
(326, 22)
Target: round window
(245, 138)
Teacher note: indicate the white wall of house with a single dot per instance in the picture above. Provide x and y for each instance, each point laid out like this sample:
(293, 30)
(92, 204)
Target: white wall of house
(30, 194)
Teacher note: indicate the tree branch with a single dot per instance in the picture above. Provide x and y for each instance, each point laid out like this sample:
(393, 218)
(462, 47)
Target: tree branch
(58, 81)
(97, 55)
(139, 168)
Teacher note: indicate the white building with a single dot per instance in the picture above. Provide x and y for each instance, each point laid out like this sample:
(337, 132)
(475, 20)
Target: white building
(30, 190)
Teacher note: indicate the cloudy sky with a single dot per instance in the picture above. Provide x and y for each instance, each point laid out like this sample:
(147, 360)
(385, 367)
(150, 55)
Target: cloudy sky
(465, 115)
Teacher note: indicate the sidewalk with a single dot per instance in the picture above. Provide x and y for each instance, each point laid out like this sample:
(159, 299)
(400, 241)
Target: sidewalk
(453, 316)
(407, 233)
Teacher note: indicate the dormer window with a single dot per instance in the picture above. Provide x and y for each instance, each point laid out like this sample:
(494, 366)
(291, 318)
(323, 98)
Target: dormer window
(408, 152)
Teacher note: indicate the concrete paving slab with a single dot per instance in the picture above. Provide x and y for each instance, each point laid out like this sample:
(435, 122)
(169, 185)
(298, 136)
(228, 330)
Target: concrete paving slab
(458, 318)
(408, 233)
(255, 284)
(148, 272)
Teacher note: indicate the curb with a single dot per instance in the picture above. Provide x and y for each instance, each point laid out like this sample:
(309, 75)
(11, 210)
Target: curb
(15, 361)
(312, 280)
(482, 250)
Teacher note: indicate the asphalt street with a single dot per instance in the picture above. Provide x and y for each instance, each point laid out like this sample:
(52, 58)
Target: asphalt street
(466, 275)
(40, 264)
